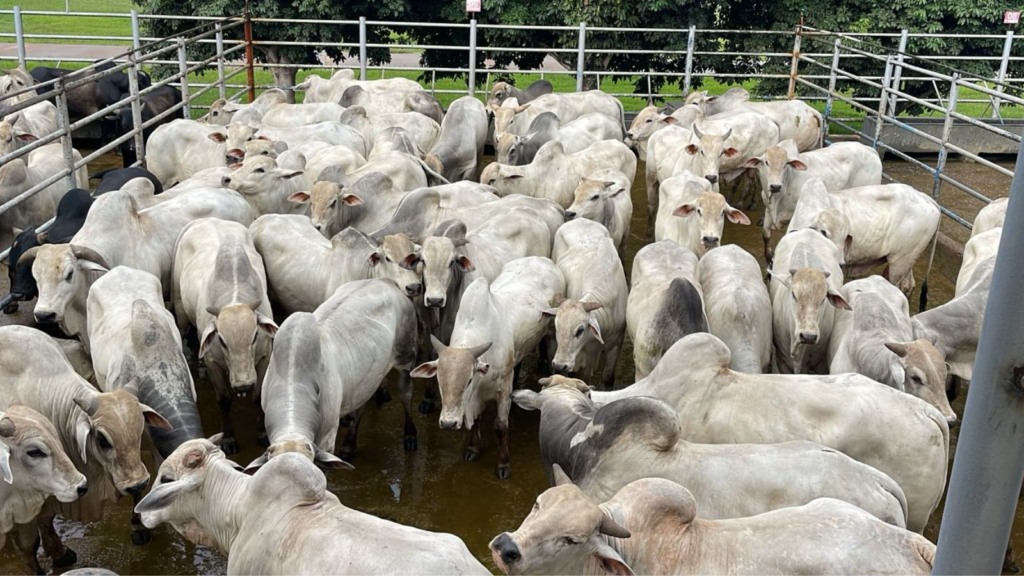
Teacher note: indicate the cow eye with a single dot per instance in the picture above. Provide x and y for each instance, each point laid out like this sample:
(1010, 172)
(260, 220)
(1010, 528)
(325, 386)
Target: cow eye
(103, 442)
(67, 277)
(165, 479)
(579, 332)
(259, 171)
(594, 198)
(916, 380)
(36, 453)
(215, 113)
(333, 203)
(570, 541)
(825, 233)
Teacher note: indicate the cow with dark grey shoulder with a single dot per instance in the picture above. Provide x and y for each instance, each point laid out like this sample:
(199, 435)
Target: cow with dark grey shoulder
(579, 134)
(604, 197)
(116, 178)
(502, 91)
(665, 302)
(608, 446)
(460, 147)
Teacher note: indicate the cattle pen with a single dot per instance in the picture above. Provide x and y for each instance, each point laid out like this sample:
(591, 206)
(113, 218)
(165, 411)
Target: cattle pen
(863, 83)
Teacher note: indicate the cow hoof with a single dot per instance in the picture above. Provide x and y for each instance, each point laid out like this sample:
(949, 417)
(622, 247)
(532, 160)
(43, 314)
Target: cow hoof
(67, 559)
(471, 455)
(229, 445)
(426, 407)
(1011, 567)
(504, 471)
(410, 444)
(10, 308)
(382, 397)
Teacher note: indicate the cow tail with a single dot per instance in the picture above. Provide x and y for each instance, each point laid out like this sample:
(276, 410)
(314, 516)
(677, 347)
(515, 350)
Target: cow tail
(922, 305)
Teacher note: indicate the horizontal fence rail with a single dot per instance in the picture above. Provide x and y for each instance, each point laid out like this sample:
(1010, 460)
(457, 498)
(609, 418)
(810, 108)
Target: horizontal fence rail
(823, 66)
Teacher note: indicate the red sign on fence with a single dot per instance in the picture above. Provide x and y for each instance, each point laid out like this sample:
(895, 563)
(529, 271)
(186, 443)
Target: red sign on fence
(1011, 17)
(472, 5)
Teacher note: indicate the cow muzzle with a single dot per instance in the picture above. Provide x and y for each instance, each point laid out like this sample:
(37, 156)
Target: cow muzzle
(413, 290)
(136, 490)
(712, 178)
(563, 369)
(449, 423)
(434, 302)
(775, 188)
(45, 316)
(808, 337)
(710, 241)
(224, 181)
(505, 551)
(242, 390)
(569, 215)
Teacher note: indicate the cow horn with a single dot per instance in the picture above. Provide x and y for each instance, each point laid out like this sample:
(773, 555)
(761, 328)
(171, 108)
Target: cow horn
(591, 306)
(478, 351)
(213, 310)
(697, 131)
(727, 134)
(89, 405)
(436, 343)
(6, 427)
(459, 242)
(253, 305)
(13, 118)
(28, 255)
(610, 527)
(560, 476)
(84, 253)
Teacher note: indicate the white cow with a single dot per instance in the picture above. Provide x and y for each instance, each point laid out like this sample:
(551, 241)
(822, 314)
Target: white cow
(843, 412)
(286, 115)
(267, 186)
(304, 268)
(590, 323)
(991, 216)
(877, 340)
(422, 130)
(179, 149)
(692, 214)
(283, 520)
(604, 197)
(796, 119)
(330, 133)
(575, 136)
(553, 174)
(665, 159)
(650, 120)
(460, 146)
(219, 285)
(135, 346)
(724, 142)
(17, 176)
(497, 325)
(651, 526)
(319, 89)
(784, 172)
(738, 307)
(223, 112)
(606, 447)
(664, 302)
(805, 284)
(318, 372)
(567, 106)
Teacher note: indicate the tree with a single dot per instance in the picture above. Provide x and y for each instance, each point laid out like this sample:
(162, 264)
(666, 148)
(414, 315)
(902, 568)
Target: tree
(316, 38)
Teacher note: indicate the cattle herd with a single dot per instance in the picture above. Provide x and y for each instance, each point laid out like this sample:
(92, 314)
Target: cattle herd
(788, 420)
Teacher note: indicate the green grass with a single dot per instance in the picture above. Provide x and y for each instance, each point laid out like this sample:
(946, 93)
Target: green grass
(96, 26)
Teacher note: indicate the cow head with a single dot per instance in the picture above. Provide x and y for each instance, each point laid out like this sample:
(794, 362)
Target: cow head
(221, 112)
(443, 263)
(396, 263)
(400, 250)
(233, 334)
(63, 273)
(329, 206)
(303, 446)
(712, 210)
(259, 175)
(708, 151)
(775, 165)
(11, 137)
(500, 92)
(562, 535)
(595, 200)
(504, 114)
(811, 292)
(455, 368)
(575, 330)
(32, 459)
(922, 369)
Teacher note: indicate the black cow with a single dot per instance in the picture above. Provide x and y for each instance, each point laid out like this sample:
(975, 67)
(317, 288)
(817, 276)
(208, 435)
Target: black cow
(71, 212)
(153, 104)
(115, 178)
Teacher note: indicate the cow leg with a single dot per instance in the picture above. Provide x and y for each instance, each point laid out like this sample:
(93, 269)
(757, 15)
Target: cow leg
(473, 443)
(140, 534)
(611, 359)
(900, 273)
(429, 398)
(409, 441)
(381, 396)
(348, 446)
(61, 555)
(229, 444)
(653, 189)
(544, 355)
(504, 470)
(26, 542)
(261, 418)
(1010, 565)
(769, 252)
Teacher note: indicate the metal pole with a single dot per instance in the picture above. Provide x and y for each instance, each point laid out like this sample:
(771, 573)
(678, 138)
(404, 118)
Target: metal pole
(472, 57)
(580, 54)
(362, 47)
(64, 123)
(989, 464)
(883, 101)
(250, 75)
(690, 42)
(19, 33)
(221, 83)
(136, 39)
(832, 77)
(947, 129)
(133, 86)
(795, 64)
(1007, 45)
(904, 35)
(183, 69)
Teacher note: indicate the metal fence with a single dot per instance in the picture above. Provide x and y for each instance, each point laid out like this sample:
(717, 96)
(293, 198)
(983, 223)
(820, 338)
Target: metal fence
(822, 65)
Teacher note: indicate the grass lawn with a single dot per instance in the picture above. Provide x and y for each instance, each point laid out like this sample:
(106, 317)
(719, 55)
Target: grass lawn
(96, 26)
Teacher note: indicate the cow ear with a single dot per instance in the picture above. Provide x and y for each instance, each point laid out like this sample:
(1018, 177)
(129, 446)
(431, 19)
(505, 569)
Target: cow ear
(217, 137)
(730, 152)
(5, 464)
(899, 373)
(691, 149)
(163, 496)
(684, 210)
(374, 258)
(26, 137)
(288, 175)
(465, 264)
(256, 464)
(847, 244)
(207, 338)
(610, 561)
(559, 475)
(328, 461)
(154, 419)
(266, 324)
(82, 429)
(752, 163)
(784, 280)
(550, 313)
(670, 120)
(736, 217)
(596, 330)
(425, 370)
(526, 399)
(837, 300)
(797, 165)
(351, 200)
(299, 197)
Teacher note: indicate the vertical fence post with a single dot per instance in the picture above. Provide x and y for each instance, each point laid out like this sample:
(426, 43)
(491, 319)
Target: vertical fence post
(472, 56)
(986, 477)
(581, 52)
(947, 129)
(222, 89)
(183, 69)
(883, 101)
(362, 48)
(64, 124)
(690, 42)
(250, 74)
(832, 78)
(1007, 46)
(795, 64)
(136, 35)
(898, 70)
(133, 87)
(19, 34)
